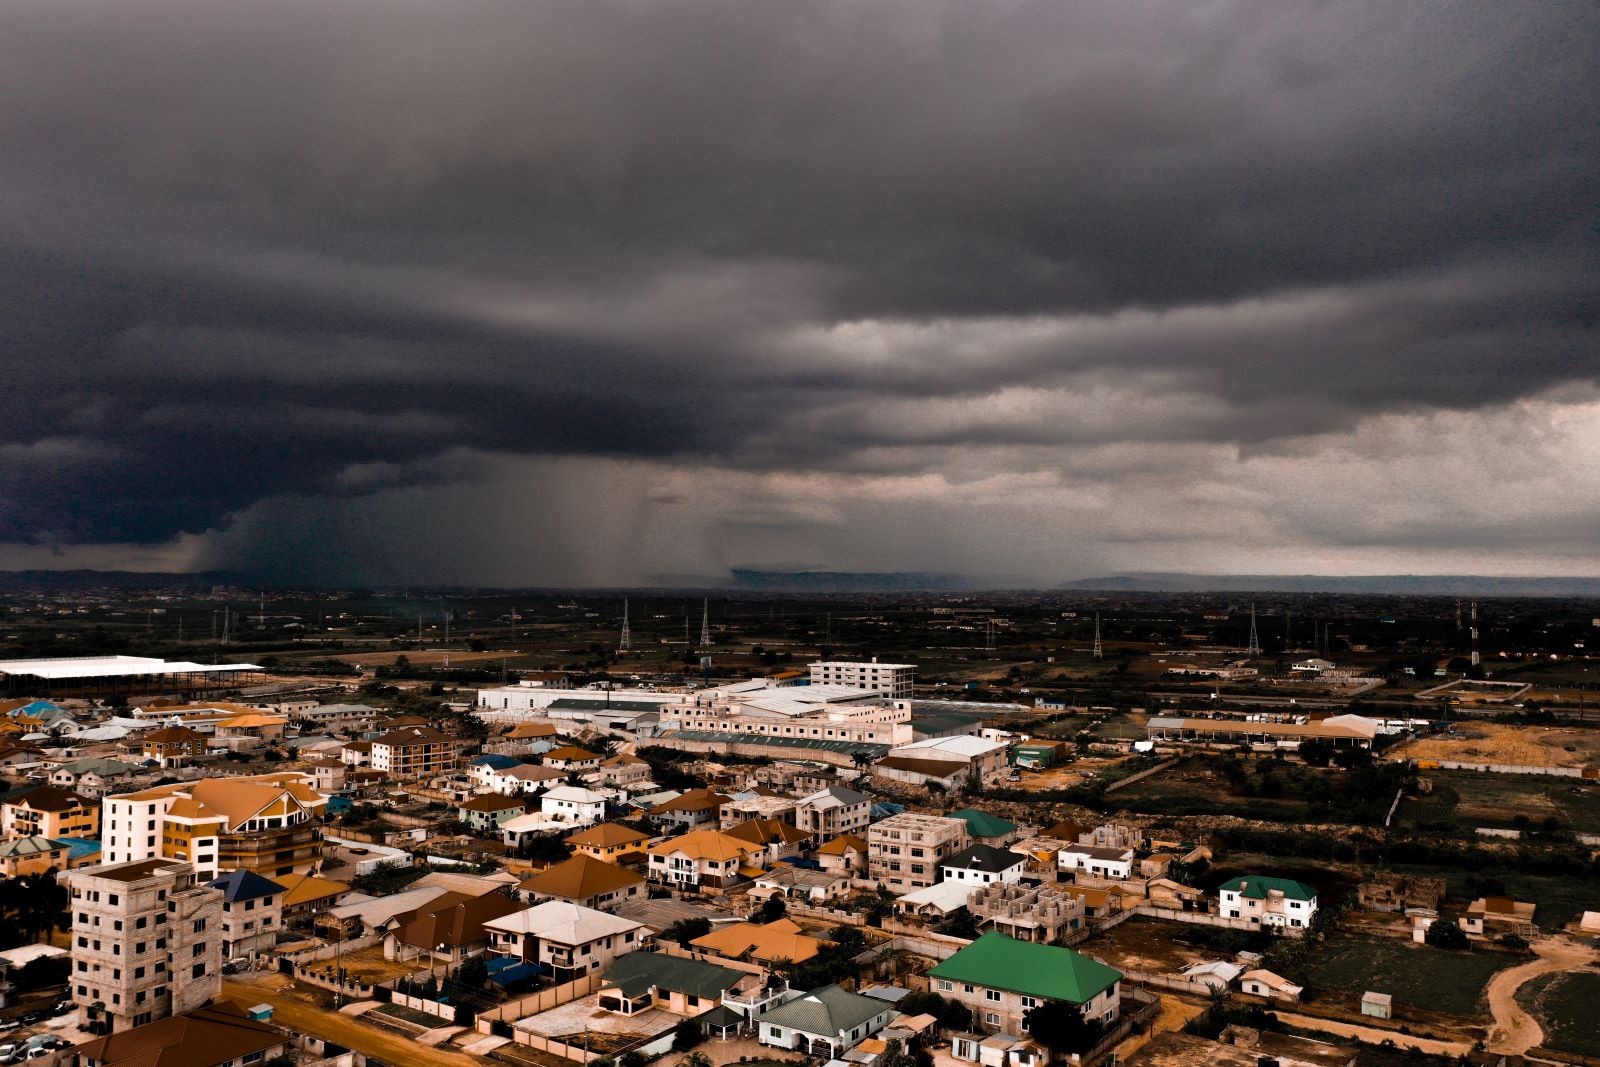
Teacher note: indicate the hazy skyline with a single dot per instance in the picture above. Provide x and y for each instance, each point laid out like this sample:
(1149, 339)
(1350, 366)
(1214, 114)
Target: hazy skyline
(580, 294)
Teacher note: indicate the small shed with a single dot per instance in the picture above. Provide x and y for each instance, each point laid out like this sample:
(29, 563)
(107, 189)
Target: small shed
(261, 1013)
(1377, 1005)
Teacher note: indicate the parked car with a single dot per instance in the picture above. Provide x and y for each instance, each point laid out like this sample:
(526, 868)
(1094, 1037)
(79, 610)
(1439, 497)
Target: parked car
(9, 1050)
(40, 1052)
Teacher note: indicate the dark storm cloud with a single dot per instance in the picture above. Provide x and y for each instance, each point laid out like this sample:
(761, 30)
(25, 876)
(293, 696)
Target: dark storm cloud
(322, 248)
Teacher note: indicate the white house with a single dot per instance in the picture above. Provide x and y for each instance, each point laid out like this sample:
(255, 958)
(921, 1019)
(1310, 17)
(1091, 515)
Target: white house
(1102, 862)
(1268, 901)
(1263, 983)
(567, 938)
(983, 864)
(825, 1022)
(520, 780)
(575, 804)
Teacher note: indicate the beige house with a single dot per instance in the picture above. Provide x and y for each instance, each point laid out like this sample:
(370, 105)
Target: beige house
(706, 859)
(1497, 916)
(904, 851)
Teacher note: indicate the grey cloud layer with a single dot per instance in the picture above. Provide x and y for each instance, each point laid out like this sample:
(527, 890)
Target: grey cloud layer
(255, 249)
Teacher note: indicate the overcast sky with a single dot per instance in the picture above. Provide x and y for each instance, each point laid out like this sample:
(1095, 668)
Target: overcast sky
(605, 293)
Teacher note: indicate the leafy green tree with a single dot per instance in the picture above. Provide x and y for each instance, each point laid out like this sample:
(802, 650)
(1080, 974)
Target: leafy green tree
(1442, 933)
(1060, 1026)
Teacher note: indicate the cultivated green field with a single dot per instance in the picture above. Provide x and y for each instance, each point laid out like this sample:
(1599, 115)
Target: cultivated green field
(1417, 976)
(1564, 1004)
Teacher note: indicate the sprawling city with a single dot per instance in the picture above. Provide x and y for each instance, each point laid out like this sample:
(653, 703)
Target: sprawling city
(821, 533)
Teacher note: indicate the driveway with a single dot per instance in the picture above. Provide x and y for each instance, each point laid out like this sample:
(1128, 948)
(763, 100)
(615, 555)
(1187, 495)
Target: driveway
(1515, 1031)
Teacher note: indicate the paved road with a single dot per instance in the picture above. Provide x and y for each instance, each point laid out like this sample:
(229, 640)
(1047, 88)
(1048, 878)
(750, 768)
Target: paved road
(1515, 1031)
(295, 1014)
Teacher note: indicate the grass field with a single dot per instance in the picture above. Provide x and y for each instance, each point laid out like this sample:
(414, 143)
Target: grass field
(1564, 1004)
(1464, 800)
(1415, 975)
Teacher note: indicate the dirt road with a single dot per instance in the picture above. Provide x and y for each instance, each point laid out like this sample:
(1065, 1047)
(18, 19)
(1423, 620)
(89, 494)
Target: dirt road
(1516, 1031)
(1373, 1035)
(292, 1013)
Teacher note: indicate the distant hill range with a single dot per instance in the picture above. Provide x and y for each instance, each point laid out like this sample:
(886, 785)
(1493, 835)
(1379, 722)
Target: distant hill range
(84, 580)
(1401, 584)
(851, 581)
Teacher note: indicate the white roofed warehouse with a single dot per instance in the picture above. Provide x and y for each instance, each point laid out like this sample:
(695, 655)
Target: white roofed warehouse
(91, 676)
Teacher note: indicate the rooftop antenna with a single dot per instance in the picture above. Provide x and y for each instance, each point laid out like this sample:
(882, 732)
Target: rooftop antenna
(1099, 653)
(627, 638)
(705, 623)
(1473, 634)
(1254, 648)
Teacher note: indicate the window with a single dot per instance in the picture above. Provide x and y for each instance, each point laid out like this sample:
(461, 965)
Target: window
(944, 986)
(992, 994)
(199, 970)
(992, 1018)
(1030, 1002)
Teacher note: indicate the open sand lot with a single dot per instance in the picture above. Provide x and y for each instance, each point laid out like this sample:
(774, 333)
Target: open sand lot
(1527, 746)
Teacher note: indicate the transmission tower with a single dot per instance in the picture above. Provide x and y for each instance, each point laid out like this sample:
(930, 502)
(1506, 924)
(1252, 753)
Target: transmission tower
(1099, 653)
(1473, 634)
(705, 624)
(1254, 648)
(626, 641)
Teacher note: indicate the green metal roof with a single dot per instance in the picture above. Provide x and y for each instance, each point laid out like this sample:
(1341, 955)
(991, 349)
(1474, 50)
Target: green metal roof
(982, 824)
(996, 961)
(640, 972)
(1257, 886)
(827, 1012)
(779, 742)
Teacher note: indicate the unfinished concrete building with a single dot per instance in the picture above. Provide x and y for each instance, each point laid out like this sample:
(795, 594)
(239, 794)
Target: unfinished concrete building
(1042, 914)
(1395, 892)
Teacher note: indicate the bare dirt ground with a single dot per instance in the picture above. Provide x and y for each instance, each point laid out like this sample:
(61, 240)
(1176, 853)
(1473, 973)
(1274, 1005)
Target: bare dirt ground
(294, 1013)
(1515, 1031)
(1529, 746)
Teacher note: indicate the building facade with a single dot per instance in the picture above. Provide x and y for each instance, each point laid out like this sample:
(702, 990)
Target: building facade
(904, 851)
(893, 680)
(146, 942)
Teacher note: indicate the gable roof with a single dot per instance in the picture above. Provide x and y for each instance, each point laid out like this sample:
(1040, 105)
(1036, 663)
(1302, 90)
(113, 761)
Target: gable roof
(245, 885)
(607, 834)
(563, 922)
(829, 1010)
(1259, 886)
(780, 940)
(580, 878)
(638, 972)
(693, 800)
(571, 754)
(996, 961)
(842, 844)
(221, 1033)
(985, 858)
(452, 919)
(707, 845)
(491, 803)
(304, 888)
(835, 796)
(19, 847)
(767, 832)
(982, 824)
(49, 798)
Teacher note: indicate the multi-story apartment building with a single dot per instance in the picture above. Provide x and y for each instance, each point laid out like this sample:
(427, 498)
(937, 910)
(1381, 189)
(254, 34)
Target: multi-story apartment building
(146, 942)
(47, 811)
(893, 680)
(904, 851)
(265, 823)
(1267, 901)
(830, 812)
(1002, 979)
(415, 752)
(252, 914)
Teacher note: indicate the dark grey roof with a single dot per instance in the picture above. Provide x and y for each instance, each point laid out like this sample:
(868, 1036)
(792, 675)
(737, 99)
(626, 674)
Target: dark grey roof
(245, 885)
(985, 858)
(828, 1011)
(638, 972)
